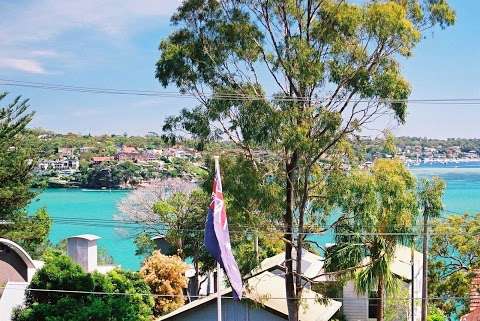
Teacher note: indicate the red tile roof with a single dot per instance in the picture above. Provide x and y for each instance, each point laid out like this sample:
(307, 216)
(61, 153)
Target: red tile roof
(475, 291)
(101, 158)
(472, 316)
(129, 150)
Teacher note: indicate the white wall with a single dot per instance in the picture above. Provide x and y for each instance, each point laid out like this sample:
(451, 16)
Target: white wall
(418, 266)
(13, 296)
(84, 252)
(355, 306)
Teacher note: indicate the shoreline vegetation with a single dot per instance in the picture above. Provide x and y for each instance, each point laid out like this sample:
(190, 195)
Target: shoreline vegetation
(432, 163)
(112, 162)
(122, 162)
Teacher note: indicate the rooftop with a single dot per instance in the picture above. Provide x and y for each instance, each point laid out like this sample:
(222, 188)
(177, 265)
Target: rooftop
(267, 289)
(89, 237)
(312, 264)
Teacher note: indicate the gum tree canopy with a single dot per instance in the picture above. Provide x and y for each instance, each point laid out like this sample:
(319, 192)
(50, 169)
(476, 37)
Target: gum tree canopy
(297, 78)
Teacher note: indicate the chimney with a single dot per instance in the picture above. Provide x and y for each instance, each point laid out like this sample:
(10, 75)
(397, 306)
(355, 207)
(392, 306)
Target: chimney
(475, 291)
(83, 250)
(162, 245)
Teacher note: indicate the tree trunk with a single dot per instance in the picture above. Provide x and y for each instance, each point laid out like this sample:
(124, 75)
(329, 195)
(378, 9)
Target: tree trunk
(381, 298)
(298, 267)
(424, 267)
(412, 271)
(196, 281)
(292, 303)
(256, 249)
(180, 248)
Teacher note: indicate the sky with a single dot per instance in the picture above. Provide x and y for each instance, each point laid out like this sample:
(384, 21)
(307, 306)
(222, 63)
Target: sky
(114, 44)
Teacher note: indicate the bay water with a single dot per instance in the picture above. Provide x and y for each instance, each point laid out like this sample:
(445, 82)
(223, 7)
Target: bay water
(77, 211)
(66, 205)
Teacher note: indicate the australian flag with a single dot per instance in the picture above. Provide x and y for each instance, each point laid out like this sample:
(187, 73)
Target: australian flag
(217, 237)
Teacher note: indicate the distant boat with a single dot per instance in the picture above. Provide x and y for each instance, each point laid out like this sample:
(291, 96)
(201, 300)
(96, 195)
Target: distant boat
(102, 190)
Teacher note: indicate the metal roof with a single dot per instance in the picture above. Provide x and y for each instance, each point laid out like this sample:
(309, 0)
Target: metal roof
(401, 265)
(268, 290)
(312, 264)
(20, 251)
(89, 237)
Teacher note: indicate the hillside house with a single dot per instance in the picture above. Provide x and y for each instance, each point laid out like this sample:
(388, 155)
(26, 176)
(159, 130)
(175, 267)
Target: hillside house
(86, 149)
(151, 155)
(97, 160)
(182, 152)
(66, 164)
(454, 152)
(356, 307)
(471, 154)
(473, 315)
(65, 152)
(127, 153)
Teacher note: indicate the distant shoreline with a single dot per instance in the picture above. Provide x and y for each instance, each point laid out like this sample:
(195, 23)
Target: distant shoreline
(460, 163)
(411, 165)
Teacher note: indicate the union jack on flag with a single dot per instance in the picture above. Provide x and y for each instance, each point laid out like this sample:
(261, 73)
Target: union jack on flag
(217, 236)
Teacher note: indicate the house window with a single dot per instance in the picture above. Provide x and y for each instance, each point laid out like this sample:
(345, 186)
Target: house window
(373, 305)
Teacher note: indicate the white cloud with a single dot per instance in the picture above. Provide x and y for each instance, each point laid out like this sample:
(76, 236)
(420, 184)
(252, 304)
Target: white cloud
(45, 19)
(44, 53)
(25, 65)
(27, 26)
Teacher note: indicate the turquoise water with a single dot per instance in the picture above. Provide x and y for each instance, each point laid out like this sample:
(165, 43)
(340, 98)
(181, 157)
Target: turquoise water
(76, 203)
(462, 195)
(462, 192)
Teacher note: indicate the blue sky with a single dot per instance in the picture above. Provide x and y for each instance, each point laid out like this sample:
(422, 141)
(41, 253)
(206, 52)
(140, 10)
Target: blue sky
(114, 44)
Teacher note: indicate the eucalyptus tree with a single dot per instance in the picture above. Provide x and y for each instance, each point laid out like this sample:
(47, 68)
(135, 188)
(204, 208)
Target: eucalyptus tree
(431, 193)
(297, 78)
(379, 210)
(454, 260)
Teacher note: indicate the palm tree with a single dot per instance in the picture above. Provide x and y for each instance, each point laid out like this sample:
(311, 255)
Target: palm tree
(430, 197)
(379, 211)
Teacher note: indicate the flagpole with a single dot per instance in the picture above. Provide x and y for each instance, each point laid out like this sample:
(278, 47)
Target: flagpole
(219, 268)
(219, 292)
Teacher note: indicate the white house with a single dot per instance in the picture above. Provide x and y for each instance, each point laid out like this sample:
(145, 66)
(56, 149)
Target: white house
(86, 149)
(65, 164)
(66, 151)
(471, 154)
(358, 307)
